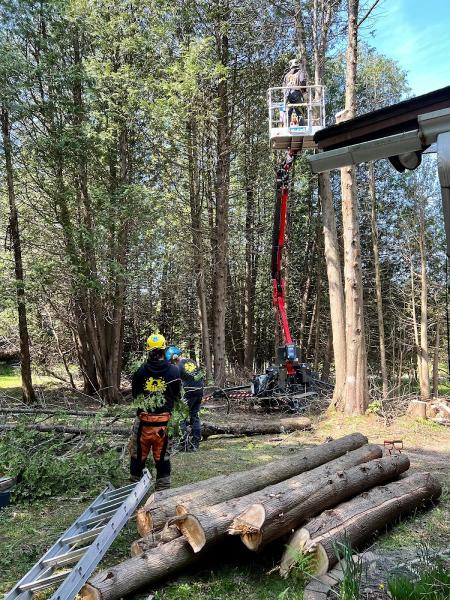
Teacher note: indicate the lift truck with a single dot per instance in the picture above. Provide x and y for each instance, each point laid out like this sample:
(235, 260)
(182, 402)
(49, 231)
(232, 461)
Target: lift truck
(289, 383)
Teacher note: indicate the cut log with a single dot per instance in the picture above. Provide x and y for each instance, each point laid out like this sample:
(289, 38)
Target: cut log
(256, 427)
(211, 523)
(169, 533)
(417, 408)
(275, 516)
(134, 573)
(161, 507)
(357, 520)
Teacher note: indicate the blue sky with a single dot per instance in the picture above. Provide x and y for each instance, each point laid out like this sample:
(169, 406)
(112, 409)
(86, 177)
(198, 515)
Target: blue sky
(416, 33)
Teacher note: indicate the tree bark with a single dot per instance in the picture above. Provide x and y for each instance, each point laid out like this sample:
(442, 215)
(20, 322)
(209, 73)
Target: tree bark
(356, 390)
(222, 185)
(161, 507)
(277, 515)
(25, 359)
(379, 295)
(197, 241)
(424, 357)
(284, 425)
(211, 523)
(436, 362)
(335, 287)
(134, 573)
(357, 520)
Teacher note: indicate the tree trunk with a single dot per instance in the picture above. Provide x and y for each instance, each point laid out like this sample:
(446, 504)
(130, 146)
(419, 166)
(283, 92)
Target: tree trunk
(197, 241)
(161, 507)
(335, 287)
(376, 259)
(211, 523)
(357, 520)
(280, 514)
(25, 360)
(256, 428)
(222, 185)
(424, 358)
(356, 389)
(436, 362)
(135, 573)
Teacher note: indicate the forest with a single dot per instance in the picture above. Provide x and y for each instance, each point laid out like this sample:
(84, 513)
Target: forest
(138, 194)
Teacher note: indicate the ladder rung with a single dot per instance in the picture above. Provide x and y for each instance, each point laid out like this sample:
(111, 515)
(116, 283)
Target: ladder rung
(82, 537)
(66, 558)
(121, 490)
(98, 518)
(111, 504)
(40, 584)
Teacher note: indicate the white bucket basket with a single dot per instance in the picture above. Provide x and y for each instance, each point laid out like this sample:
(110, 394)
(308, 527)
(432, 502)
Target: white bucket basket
(293, 125)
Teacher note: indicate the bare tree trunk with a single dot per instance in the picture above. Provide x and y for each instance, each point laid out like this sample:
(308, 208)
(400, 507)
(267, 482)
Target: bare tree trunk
(245, 516)
(414, 313)
(357, 520)
(436, 362)
(356, 389)
(161, 507)
(25, 360)
(250, 274)
(197, 241)
(376, 258)
(335, 287)
(222, 185)
(424, 362)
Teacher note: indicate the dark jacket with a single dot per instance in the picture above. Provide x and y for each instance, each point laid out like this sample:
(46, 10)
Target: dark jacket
(158, 376)
(192, 377)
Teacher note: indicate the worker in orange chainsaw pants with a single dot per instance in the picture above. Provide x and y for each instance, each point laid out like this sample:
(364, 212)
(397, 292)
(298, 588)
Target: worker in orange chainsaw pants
(156, 386)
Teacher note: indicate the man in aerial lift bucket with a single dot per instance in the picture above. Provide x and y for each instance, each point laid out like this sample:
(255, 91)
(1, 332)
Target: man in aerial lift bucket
(294, 78)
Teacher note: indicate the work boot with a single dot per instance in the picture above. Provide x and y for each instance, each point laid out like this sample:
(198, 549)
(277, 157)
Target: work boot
(163, 483)
(134, 478)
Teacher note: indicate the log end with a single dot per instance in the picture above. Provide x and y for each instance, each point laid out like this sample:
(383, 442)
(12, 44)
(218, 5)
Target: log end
(192, 530)
(144, 521)
(300, 544)
(252, 540)
(136, 548)
(88, 592)
(248, 525)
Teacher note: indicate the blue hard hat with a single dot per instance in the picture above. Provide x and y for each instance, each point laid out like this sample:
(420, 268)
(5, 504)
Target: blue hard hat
(172, 351)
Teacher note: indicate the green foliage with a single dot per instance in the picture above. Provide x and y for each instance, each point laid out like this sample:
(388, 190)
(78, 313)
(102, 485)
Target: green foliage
(47, 465)
(352, 571)
(374, 407)
(303, 567)
(432, 582)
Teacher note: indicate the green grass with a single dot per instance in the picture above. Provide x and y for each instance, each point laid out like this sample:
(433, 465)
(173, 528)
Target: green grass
(11, 380)
(433, 583)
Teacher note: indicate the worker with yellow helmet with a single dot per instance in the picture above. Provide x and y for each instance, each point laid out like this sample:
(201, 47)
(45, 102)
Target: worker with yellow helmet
(157, 386)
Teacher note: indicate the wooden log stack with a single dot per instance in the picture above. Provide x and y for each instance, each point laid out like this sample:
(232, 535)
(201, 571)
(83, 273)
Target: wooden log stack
(341, 490)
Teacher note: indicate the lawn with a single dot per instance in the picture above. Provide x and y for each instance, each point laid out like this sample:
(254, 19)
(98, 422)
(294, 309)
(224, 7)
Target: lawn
(27, 530)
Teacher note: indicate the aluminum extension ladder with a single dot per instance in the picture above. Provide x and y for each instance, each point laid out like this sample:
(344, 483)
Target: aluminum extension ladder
(100, 524)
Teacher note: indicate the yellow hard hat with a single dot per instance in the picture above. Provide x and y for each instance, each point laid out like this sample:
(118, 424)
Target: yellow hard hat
(155, 340)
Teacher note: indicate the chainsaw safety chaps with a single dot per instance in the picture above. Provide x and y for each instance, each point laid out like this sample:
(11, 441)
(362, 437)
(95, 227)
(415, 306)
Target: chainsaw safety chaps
(149, 434)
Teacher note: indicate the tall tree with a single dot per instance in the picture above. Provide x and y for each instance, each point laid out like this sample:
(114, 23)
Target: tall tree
(356, 396)
(14, 231)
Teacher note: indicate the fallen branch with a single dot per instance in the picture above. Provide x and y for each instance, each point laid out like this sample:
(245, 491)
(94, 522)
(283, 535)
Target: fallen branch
(256, 428)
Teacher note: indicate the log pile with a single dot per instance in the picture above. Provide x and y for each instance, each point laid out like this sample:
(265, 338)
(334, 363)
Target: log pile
(344, 489)
(437, 410)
